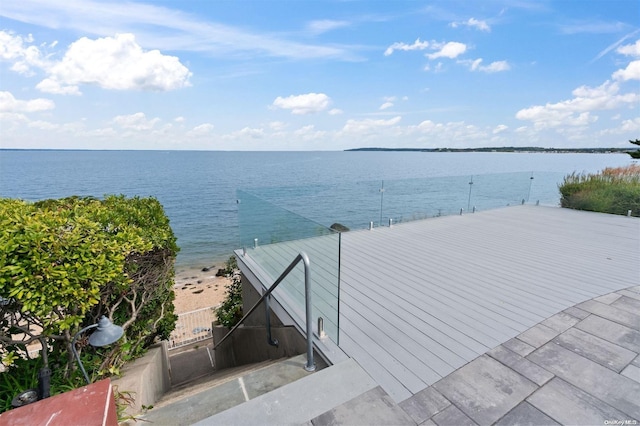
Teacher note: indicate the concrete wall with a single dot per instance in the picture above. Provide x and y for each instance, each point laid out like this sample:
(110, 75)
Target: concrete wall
(250, 297)
(147, 378)
(248, 345)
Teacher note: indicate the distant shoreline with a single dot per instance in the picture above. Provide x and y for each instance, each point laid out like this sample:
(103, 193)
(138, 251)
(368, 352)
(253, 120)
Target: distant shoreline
(528, 149)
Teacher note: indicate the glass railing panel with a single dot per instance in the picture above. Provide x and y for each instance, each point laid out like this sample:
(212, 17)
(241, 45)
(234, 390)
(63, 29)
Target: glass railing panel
(414, 199)
(544, 188)
(279, 222)
(498, 190)
(281, 235)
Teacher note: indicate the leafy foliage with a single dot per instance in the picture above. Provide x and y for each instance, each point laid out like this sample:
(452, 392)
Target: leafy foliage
(64, 263)
(636, 153)
(614, 190)
(230, 311)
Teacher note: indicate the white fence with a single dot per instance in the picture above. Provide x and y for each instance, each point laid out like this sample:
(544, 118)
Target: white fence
(192, 327)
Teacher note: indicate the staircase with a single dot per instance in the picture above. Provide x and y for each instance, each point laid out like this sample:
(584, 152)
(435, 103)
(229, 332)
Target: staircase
(276, 393)
(197, 400)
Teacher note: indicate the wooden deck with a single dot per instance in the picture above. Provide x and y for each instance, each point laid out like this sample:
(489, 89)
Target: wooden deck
(421, 299)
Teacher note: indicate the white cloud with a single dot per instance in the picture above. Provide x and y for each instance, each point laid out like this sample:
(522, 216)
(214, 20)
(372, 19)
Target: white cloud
(8, 103)
(630, 49)
(117, 63)
(49, 85)
(164, 28)
(303, 104)
(437, 69)
(14, 48)
(577, 111)
(476, 65)
(247, 132)
(417, 45)
(457, 133)
(179, 119)
(137, 122)
(309, 133)
(112, 63)
(204, 129)
(450, 50)
(277, 126)
(335, 111)
(499, 129)
(324, 25)
(368, 125)
(631, 72)
(43, 125)
(473, 23)
(632, 125)
(386, 105)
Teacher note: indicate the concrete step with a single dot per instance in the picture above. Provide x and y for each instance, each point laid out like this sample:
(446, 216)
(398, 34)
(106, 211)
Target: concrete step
(300, 401)
(222, 390)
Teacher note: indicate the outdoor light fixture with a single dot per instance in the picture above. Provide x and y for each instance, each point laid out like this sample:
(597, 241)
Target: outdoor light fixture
(106, 334)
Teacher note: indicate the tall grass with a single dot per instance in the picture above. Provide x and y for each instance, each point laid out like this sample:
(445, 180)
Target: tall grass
(613, 190)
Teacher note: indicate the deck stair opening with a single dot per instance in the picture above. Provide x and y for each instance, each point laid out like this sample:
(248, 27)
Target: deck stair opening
(197, 400)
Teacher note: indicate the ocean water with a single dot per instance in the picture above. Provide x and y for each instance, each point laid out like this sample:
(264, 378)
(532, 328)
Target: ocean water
(198, 189)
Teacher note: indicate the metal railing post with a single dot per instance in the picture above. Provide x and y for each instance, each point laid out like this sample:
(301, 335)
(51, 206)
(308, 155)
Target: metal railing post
(310, 366)
(307, 295)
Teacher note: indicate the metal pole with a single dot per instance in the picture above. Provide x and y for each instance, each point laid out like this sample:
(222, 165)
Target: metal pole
(270, 340)
(307, 295)
(75, 352)
(469, 201)
(381, 198)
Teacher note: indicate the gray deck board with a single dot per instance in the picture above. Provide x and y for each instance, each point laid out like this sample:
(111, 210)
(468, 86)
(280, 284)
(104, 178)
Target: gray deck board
(421, 299)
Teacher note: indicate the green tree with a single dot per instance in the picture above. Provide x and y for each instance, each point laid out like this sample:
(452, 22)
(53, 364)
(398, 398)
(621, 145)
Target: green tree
(636, 153)
(64, 263)
(230, 310)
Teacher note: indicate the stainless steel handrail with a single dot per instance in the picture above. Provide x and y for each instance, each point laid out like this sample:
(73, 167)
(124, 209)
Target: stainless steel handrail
(301, 257)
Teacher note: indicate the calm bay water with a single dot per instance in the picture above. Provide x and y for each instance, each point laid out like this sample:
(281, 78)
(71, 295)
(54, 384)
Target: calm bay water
(198, 189)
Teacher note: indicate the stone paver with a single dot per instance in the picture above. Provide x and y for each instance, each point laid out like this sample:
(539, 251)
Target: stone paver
(621, 335)
(632, 372)
(607, 299)
(596, 349)
(570, 405)
(628, 304)
(561, 322)
(578, 313)
(630, 294)
(528, 369)
(424, 404)
(620, 316)
(372, 407)
(538, 335)
(526, 414)
(581, 366)
(618, 391)
(485, 389)
(518, 346)
(452, 416)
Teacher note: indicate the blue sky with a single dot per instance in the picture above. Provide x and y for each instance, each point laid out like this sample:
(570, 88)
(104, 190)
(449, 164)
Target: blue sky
(318, 75)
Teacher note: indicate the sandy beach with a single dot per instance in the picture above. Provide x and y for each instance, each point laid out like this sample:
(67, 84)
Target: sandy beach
(196, 289)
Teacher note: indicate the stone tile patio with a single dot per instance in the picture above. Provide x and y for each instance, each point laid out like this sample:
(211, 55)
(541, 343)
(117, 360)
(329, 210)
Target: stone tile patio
(580, 367)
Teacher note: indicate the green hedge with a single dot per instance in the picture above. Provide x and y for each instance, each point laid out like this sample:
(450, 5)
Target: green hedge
(614, 190)
(64, 263)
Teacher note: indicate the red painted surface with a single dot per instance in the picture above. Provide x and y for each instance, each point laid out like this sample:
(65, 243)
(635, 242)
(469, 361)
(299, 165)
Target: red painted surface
(91, 405)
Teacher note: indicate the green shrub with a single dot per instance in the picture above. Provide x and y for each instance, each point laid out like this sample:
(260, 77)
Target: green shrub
(230, 311)
(614, 190)
(64, 263)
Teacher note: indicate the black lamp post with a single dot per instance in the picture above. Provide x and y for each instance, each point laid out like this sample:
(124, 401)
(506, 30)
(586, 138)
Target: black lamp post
(106, 334)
